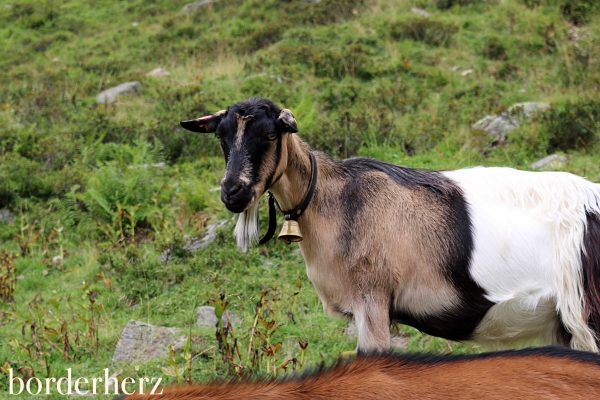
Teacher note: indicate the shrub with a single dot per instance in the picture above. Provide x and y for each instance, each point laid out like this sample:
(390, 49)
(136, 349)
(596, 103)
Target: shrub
(264, 36)
(445, 4)
(336, 62)
(324, 11)
(432, 32)
(494, 49)
(578, 12)
(572, 124)
(120, 193)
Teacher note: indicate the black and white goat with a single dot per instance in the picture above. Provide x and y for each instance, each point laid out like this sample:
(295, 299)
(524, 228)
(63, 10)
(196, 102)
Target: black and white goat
(492, 255)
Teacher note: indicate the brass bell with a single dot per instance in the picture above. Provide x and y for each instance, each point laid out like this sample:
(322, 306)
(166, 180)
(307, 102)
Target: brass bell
(290, 232)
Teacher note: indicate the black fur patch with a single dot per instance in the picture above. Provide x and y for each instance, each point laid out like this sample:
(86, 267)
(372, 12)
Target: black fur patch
(590, 261)
(459, 322)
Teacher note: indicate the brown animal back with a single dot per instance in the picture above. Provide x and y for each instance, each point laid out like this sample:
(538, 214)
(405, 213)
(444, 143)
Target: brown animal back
(548, 372)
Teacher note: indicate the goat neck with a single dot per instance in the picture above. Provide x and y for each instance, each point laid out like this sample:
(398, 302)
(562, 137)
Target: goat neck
(290, 189)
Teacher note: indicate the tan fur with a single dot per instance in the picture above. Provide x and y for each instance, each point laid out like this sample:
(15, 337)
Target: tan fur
(241, 127)
(400, 262)
(531, 376)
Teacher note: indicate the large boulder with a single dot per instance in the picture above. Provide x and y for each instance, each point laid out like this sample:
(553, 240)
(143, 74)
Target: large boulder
(142, 342)
(110, 95)
(498, 126)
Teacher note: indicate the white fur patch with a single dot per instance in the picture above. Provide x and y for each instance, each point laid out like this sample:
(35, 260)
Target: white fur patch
(246, 228)
(528, 234)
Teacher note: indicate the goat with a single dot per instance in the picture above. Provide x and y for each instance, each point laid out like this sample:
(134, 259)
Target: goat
(496, 256)
(533, 373)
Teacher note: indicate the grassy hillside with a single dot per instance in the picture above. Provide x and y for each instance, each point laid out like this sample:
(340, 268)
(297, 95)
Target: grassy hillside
(99, 191)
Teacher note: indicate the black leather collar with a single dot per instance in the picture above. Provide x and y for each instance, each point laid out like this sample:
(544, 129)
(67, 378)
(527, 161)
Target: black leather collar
(296, 212)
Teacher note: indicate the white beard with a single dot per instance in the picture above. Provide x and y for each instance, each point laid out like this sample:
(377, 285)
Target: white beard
(246, 229)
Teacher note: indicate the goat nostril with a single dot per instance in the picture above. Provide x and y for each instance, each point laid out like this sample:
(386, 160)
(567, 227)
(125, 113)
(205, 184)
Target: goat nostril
(230, 190)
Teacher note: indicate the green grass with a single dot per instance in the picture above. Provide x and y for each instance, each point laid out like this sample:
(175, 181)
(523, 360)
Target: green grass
(363, 77)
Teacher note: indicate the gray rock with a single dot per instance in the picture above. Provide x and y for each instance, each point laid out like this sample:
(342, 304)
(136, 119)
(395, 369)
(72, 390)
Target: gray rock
(527, 109)
(110, 95)
(498, 126)
(6, 215)
(297, 252)
(194, 243)
(420, 12)
(553, 161)
(158, 72)
(206, 318)
(209, 237)
(142, 342)
(196, 5)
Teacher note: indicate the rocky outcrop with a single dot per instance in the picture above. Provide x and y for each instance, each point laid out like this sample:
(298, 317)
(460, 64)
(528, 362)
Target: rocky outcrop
(498, 126)
(142, 342)
(110, 95)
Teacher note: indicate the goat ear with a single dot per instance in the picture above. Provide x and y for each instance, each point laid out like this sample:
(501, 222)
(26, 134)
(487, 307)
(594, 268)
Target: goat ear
(287, 119)
(205, 124)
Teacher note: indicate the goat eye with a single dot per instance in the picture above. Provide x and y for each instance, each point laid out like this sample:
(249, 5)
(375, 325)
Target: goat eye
(272, 136)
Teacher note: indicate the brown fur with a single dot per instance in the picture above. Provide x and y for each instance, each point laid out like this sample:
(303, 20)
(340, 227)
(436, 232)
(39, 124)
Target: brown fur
(546, 373)
(359, 282)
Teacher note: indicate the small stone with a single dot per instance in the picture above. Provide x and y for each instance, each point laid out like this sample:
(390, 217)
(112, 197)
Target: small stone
(56, 260)
(196, 5)
(55, 59)
(206, 318)
(268, 263)
(110, 95)
(158, 72)
(466, 72)
(256, 75)
(142, 342)
(6, 215)
(209, 237)
(420, 12)
(297, 252)
(135, 23)
(553, 161)
(455, 68)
